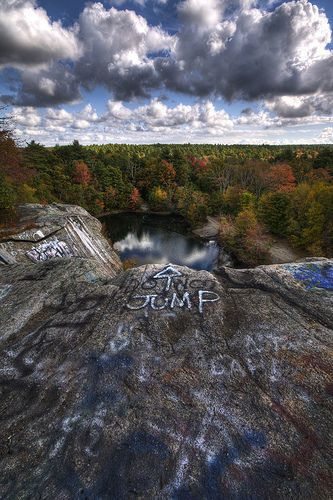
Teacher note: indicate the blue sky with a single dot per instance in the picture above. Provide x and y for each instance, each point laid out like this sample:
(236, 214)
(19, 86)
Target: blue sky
(144, 71)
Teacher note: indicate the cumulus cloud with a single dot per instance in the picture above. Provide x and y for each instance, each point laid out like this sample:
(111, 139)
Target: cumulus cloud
(28, 37)
(45, 87)
(158, 122)
(302, 106)
(154, 119)
(254, 55)
(326, 136)
(27, 117)
(119, 48)
(239, 49)
(200, 14)
(157, 116)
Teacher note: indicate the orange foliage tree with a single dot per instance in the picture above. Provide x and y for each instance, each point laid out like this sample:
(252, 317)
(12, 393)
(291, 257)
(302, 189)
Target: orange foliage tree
(135, 199)
(281, 178)
(167, 174)
(82, 173)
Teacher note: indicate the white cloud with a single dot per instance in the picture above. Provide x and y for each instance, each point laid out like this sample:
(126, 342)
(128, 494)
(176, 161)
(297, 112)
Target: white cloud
(156, 116)
(117, 48)
(231, 48)
(301, 106)
(200, 14)
(27, 117)
(81, 124)
(59, 115)
(326, 136)
(28, 37)
(256, 54)
(118, 110)
(158, 122)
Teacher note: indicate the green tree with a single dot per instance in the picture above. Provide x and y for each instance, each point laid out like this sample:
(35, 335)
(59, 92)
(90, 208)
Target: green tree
(274, 210)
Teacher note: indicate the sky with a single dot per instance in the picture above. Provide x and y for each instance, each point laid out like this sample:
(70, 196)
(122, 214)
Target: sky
(168, 71)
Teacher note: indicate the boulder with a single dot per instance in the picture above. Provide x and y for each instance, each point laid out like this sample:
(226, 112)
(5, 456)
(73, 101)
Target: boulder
(165, 382)
(45, 232)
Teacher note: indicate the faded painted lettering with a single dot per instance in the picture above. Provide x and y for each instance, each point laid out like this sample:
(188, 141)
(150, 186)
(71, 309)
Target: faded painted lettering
(168, 300)
(213, 298)
(176, 301)
(49, 250)
(168, 273)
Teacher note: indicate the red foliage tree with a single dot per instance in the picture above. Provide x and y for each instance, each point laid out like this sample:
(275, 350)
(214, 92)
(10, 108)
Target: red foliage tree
(11, 160)
(82, 173)
(281, 178)
(135, 198)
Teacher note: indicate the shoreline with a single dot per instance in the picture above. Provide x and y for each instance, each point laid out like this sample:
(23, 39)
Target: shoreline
(280, 251)
(138, 211)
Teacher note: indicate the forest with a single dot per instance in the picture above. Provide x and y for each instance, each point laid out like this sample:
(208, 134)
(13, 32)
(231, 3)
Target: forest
(256, 191)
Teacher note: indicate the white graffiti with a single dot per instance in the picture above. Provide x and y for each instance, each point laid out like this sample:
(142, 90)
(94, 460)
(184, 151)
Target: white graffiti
(173, 301)
(121, 339)
(158, 303)
(167, 273)
(203, 300)
(50, 250)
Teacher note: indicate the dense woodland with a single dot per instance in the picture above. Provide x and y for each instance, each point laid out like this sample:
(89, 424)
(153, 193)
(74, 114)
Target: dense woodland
(257, 191)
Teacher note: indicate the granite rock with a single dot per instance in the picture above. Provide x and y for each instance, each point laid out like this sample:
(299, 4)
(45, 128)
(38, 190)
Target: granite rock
(165, 382)
(45, 232)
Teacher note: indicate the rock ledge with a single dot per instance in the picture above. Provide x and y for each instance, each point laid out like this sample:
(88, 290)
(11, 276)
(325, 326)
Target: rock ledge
(163, 382)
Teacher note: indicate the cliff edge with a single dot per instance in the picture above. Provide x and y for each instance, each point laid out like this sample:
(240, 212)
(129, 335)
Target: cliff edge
(165, 382)
(44, 232)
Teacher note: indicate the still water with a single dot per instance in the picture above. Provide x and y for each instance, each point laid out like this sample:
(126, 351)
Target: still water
(156, 239)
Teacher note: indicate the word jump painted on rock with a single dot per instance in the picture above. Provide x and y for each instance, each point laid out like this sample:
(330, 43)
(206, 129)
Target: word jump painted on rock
(187, 300)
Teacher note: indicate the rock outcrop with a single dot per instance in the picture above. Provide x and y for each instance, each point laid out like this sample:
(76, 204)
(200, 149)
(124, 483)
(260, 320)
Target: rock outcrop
(164, 382)
(56, 231)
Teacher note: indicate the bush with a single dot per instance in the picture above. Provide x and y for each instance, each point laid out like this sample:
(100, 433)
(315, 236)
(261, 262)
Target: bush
(7, 194)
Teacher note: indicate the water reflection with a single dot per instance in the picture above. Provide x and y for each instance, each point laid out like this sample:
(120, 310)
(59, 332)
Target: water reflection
(150, 240)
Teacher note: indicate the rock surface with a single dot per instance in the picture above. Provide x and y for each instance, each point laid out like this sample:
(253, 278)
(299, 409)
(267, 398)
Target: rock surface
(210, 229)
(56, 231)
(164, 382)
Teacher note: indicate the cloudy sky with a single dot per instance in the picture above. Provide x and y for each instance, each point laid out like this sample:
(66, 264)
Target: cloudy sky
(143, 71)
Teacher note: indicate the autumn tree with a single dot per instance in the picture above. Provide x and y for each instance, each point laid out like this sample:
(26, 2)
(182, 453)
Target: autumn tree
(158, 199)
(244, 237)
(236, 198)
(191, 204)
(166, 174)
(135, 199)
(82, 173)
(281, 178)
(221, 174)
(253, 247)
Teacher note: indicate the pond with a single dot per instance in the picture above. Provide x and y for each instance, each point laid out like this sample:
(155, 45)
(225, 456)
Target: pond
(159, 239)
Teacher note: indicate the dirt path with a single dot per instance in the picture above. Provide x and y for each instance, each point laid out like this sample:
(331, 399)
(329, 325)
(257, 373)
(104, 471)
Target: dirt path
(281, 252)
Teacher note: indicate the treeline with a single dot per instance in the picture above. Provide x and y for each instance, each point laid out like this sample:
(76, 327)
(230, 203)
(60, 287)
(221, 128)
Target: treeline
(286, 191)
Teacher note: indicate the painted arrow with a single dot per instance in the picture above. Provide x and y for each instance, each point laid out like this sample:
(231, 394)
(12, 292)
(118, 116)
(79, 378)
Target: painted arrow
(167, 273)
